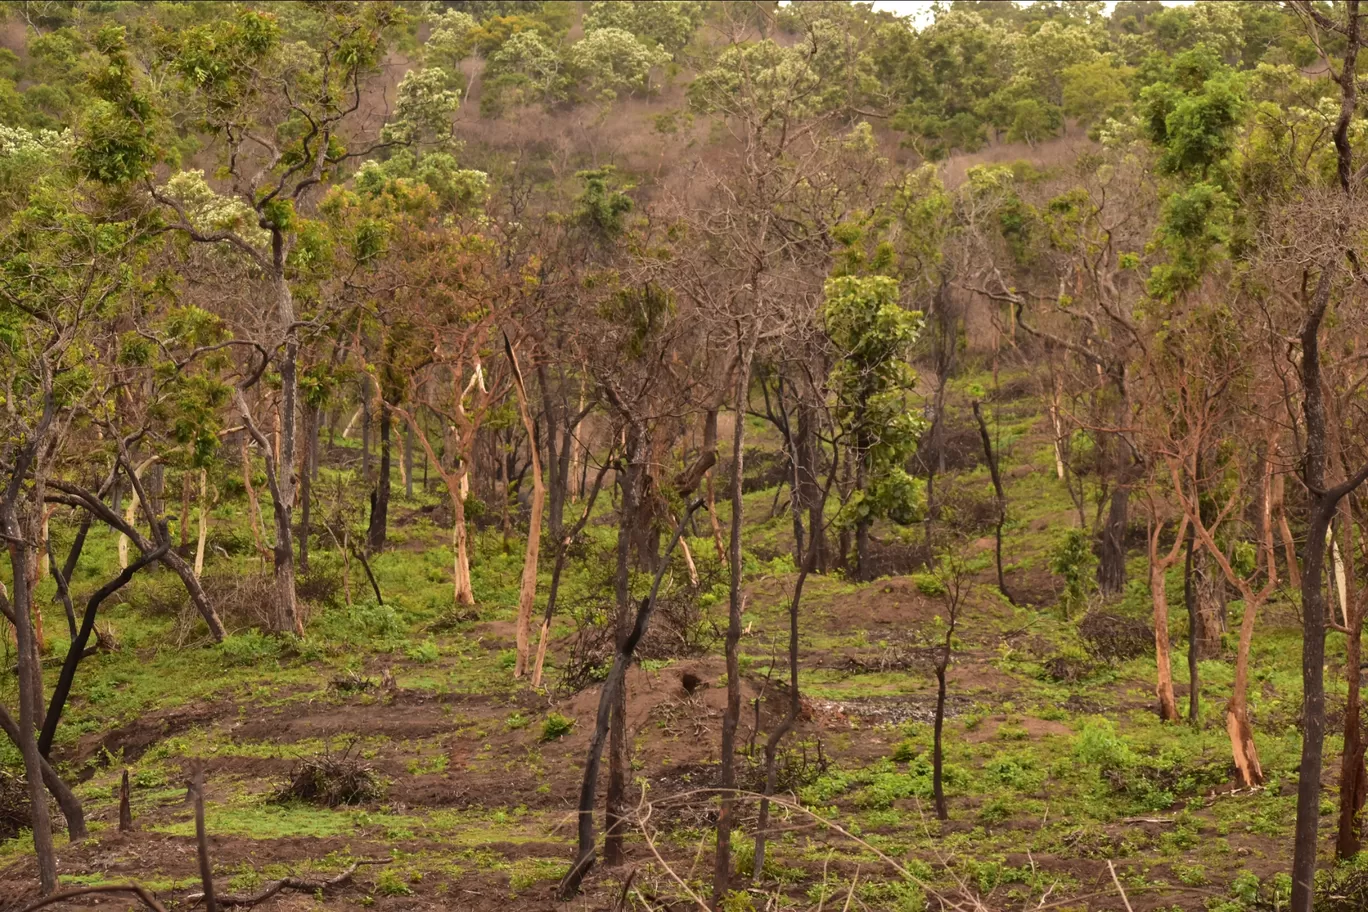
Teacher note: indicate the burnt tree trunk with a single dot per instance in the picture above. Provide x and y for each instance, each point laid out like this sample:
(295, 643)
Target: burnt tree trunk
(617, 732)
(732, 716)
(376, 532)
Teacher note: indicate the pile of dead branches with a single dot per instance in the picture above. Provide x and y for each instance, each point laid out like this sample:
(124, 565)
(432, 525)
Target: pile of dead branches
(332, 779)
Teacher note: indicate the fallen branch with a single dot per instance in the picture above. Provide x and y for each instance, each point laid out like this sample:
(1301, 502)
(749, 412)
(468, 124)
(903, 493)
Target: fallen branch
(1116, 880)
(286, 883)
(145, 897)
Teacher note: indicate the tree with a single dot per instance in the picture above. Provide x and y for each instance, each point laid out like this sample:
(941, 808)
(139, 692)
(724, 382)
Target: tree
(612, 60)
(282, 119)
(67, 251)
(955, 586)
(1314, 300)
(668, 24)
(873, 334)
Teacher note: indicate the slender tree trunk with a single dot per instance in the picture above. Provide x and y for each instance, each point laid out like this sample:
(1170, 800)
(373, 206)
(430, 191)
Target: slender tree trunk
(790, 717)
(1190, 602)
(312, 416)
(1322, 506)
(937, 752)
(616, 680)
(283, 492)
(203, 509)
(21, 604)
(1168, 708)
(376, 533)
(562, 544)
(460, 544)
(66, 798)
(617, 732)
(808, 451)
(1237, 710)
(732, 716)
(527, 594)
(1001, 499)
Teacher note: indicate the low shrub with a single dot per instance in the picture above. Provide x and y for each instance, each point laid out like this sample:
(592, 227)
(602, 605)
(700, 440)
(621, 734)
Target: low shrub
(556, 727)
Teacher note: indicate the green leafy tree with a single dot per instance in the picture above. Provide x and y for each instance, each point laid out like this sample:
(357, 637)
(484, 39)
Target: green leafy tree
(608, 61)
(667, 24)
(296, 105)
(872, 335)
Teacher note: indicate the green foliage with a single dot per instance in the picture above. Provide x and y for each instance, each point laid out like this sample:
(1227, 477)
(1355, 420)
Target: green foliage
(668, 24)
(873, 335)
(1072, 557)
(555, 727)
(608, 61)
(603, 203)
(1192, 113)
(251, 647)
(424, 653)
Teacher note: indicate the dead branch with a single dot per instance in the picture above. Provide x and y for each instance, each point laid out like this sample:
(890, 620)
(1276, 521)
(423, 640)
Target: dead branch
(286, 883)
(138, 890)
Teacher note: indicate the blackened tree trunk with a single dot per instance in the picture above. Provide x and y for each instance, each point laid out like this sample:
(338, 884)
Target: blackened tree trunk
(617, 733)
(937, 751)
(66, 799)
(1111, 565)
(1322, 503)
(615, 683)
(1000, 498)
(377, 531)
(311, 419)
(21, 607)
(732, 716)
(1190, 602)
(807, 493)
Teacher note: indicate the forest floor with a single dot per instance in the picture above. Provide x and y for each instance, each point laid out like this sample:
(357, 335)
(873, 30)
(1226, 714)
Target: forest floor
(1057, 767)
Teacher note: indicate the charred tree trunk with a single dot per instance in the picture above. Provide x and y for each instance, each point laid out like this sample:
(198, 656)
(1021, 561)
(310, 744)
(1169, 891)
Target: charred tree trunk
(617, 733)
(66, 798)
(376, 532)
(21, 607)
(937, 751)
(311, 418)
(806, 491)
(1111, 567)
(1190, 603)
(732, 716)
(615, 682)
(1000, 499)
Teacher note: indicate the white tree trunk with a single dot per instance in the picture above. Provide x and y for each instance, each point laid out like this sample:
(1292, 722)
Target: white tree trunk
(203, 523)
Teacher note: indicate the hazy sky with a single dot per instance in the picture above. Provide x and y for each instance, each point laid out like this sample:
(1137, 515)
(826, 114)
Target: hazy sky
(920, 9)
